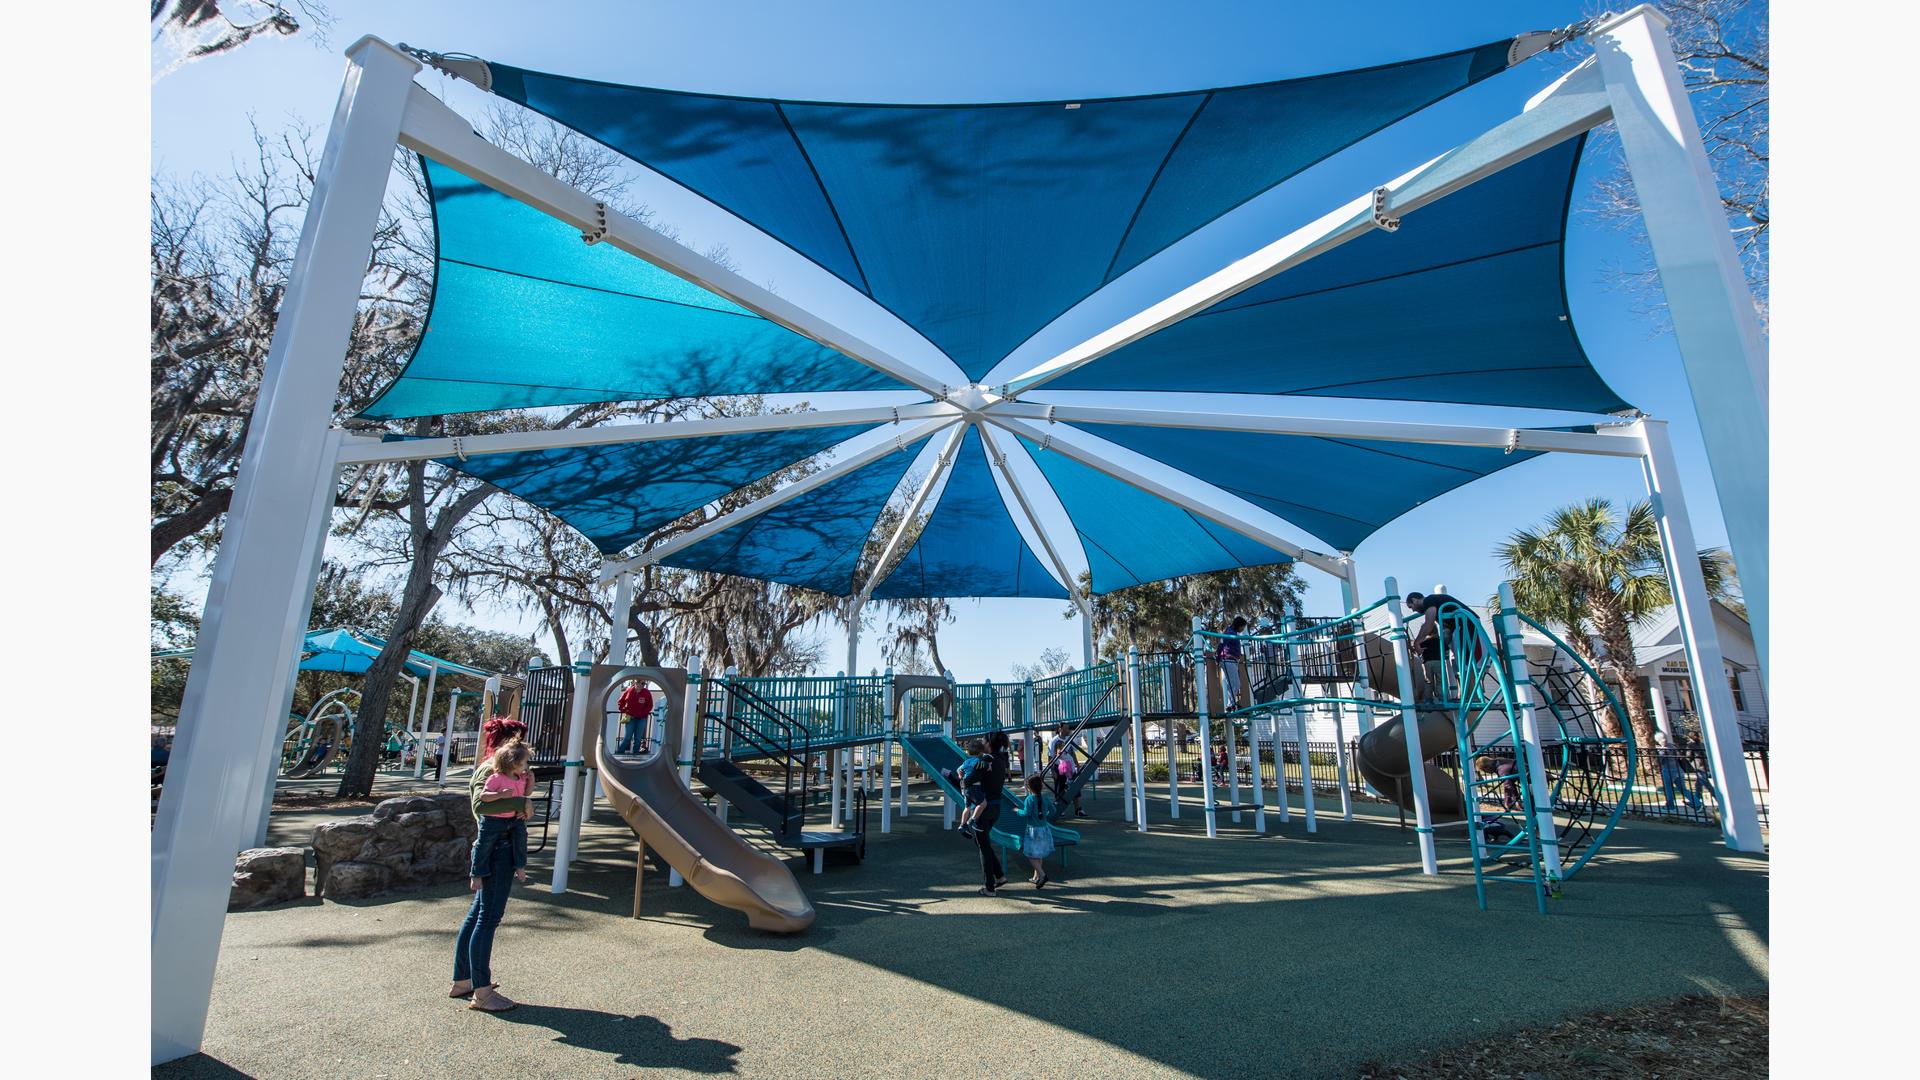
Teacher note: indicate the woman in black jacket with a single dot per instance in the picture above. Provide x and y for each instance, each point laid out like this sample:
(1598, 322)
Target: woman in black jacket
(992, 778)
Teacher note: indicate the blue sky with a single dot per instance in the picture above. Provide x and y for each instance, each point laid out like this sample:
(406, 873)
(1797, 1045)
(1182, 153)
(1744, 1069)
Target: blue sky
(988, 51)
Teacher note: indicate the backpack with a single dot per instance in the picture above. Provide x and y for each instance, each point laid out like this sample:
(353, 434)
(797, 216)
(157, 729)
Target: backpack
(636, 701)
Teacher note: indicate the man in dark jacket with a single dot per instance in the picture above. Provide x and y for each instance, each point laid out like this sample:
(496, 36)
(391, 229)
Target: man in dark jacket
(991, 775)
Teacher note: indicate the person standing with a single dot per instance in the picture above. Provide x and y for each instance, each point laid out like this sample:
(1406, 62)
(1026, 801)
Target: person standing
(492, 872)
(1673, 773)
(1036, 838)
(1227, 654)
(991, 775)
(636, 706)
(1427, 641)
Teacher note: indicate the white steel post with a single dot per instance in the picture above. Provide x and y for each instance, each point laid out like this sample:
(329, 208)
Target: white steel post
(836, 759)
(1139, 764)
(1300, 732)
(1340, 761)
(1206, 727)
(1173, 742)
(446, 743)
(1410, 722)
(570, 782)
(1714, 319)
(1739, 818)
(725, 734)
(1513, 649)
(420, 757)
(1032, 758)
(689, 734)
(262, 582)
(1127, 751)
(413, 714)
(1658, 701)
(886, 759)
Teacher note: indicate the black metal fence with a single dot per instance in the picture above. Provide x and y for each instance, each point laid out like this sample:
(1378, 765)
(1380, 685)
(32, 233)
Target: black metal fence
(1671, 788)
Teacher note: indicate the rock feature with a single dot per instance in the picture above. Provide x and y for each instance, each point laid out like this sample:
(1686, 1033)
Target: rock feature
(406, 843)
(263, 876)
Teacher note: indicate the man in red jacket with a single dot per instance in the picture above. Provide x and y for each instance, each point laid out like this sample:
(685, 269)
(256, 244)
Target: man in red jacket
(636, 704)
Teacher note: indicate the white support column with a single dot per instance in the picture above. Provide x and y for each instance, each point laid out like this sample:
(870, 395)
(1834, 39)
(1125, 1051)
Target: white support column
(1173, 743)
(446, 743)
(886, 756)
(1206, 728)
(1127, 754)
(1410, 722)
(420, 756)
(1259, 798)
(1300, 716)
(689, 732)
(262, 586)
(1340, 761)
(571, 781)
(273, 735)
(413, 714)
(1719, 725)
(725, 734)
(1136, 738)
(1714, 320)
(1031, 756)
(1513, 651)
(836, 759)
(1658, 699)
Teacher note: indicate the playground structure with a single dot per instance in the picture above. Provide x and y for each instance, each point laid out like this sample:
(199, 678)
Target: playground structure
(262, 580)
(1537, 794)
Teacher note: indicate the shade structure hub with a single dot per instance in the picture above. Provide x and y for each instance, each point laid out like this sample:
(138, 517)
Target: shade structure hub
(974, 399)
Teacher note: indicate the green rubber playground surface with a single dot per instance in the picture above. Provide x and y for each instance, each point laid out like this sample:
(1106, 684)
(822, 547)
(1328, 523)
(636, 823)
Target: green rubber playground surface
(1163, 954)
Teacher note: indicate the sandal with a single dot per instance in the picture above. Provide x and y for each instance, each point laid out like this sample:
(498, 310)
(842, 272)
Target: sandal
(495, 1003)
(468, 992)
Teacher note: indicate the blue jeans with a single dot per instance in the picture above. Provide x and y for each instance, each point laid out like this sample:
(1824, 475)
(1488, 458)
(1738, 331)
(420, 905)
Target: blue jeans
(513, 828)
(473, 951)
(1674, 778)
(630, 736)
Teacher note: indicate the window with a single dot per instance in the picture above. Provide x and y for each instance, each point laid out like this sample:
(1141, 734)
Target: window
(1739, 699)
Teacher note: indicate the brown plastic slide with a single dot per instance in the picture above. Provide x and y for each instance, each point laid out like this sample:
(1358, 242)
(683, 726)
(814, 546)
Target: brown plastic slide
(672, 821)
(1383, 762)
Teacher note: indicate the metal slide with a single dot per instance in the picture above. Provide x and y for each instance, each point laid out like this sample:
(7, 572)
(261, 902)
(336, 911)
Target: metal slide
(672, 821)
(1382, 759)
(936, 753)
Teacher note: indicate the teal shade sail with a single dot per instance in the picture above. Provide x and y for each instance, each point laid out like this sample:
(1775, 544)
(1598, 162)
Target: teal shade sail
(1132, 537)
(978, 224)
(813, 541)
(616, 495)
(1466, 302)
(970, 545)
(524, 314)
(1340, 490)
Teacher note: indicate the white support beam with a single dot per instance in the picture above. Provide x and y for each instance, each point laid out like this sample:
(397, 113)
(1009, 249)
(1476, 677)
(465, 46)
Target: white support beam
(1706, 665)
(1573, 104)
(1158, 478)
(1610, 442)
(858, 459)
(1714, 320)
(894, 543)
(435, 130)
(998, 455)
(262, 581)
(361, 451)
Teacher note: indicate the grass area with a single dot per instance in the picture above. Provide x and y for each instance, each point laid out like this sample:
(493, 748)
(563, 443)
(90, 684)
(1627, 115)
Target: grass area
(1701, 1037)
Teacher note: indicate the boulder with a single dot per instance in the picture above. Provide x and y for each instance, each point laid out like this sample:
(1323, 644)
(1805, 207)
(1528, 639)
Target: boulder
(355, 880)
(407, 842)
(263, 876)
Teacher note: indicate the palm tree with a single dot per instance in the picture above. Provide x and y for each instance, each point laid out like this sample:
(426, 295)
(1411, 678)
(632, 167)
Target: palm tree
(1597, 575)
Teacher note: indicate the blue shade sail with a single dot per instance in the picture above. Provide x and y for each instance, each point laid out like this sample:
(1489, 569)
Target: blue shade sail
(815, 540)
(970, 545)
(615, 495)
(978, 224)
(1465, 303)
(1132, 537)
(525, 314)
(1340, 490)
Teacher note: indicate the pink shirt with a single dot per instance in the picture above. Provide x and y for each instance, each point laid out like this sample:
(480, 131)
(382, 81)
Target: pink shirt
(515, 786)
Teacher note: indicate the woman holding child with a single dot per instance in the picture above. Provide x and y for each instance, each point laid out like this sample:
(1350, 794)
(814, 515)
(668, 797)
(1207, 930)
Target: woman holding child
(499, 788)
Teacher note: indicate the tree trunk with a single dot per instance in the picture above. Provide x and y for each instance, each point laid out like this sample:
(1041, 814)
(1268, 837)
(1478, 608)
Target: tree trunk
(171, 530)
(416, 602)
(1617, 634)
